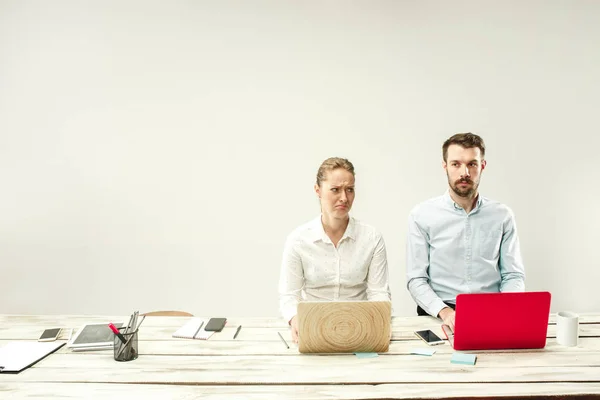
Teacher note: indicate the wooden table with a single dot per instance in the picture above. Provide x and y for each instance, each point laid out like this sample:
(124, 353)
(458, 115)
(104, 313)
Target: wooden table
(257, 365)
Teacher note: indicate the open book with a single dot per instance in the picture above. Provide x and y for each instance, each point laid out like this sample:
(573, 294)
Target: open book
(193, 329)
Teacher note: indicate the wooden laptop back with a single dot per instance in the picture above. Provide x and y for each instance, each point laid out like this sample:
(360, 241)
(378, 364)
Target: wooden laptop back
(344, 326)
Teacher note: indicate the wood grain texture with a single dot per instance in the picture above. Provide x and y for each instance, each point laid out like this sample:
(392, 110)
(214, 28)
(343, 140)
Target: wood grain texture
(276, 348)
(257, 365)
(152, 330)
(32, 390)
(344, 327)
(340, 370)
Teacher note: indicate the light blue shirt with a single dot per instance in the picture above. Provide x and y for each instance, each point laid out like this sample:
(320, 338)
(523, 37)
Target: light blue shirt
(449, 252)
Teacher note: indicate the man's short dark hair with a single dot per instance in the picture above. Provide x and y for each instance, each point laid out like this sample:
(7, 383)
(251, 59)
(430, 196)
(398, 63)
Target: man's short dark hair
(467, 140)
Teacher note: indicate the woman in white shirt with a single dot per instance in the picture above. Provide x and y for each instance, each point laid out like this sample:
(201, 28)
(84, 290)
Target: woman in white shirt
(333, 257)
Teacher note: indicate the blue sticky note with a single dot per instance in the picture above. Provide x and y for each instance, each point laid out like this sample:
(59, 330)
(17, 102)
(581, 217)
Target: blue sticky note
(366, 355)
(423, 352)
(463, 358)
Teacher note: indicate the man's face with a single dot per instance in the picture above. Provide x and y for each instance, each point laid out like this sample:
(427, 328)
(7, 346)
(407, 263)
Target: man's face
(463, 167)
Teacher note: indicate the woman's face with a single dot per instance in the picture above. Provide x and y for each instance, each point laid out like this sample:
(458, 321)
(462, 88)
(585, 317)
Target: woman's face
(336, 193)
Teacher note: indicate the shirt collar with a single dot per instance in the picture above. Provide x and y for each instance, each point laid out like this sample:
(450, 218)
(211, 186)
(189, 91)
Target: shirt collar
(448, 200)
(319, 232)
(350, 230)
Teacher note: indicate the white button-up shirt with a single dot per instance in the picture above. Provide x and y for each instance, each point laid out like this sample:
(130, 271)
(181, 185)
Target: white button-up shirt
(314, 269)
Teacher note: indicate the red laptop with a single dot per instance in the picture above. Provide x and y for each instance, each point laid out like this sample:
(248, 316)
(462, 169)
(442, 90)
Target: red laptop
(490, 321)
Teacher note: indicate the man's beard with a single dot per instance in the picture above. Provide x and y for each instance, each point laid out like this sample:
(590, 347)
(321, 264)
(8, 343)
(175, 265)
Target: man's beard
(466, 192)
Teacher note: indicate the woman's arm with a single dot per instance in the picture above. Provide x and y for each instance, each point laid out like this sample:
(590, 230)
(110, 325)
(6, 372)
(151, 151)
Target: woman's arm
(291, 280)
(378, 281)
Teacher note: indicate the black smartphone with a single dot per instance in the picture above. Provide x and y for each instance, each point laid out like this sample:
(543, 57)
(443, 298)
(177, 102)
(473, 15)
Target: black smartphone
(49, 335)
(429, 337)
(215, 324)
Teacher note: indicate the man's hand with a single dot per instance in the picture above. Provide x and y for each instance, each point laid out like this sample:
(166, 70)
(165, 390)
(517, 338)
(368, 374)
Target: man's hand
(447, 315)
(294, 326)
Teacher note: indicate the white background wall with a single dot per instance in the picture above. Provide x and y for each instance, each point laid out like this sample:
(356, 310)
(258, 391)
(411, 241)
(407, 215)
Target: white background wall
(154, 154)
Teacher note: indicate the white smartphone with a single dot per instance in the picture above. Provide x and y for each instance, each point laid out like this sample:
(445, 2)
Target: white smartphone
(49, 335)
(429, 337)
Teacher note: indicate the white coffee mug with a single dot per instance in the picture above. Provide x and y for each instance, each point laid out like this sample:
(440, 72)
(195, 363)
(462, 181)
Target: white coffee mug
(567, 328)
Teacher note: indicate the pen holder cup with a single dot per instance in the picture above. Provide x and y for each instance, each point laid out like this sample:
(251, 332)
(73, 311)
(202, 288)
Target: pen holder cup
(127, 351)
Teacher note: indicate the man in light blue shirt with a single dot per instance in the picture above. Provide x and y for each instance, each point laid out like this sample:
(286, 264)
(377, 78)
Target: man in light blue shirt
(461, 242)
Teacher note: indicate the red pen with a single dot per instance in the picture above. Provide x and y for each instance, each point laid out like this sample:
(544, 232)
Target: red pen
(116, 332)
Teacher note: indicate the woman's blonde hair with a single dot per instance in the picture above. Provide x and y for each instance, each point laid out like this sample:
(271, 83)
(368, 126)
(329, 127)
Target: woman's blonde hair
(333, 163)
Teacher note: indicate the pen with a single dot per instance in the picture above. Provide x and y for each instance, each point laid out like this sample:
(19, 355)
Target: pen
(116, 332)
(237, 331)
(140, 324)
(200, 327)
(283, 340)
(128, 327)
(134, 322)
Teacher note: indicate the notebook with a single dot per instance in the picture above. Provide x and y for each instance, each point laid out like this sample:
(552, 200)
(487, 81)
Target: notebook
(93, 337)
(344, 326)
(493, 321)
(17, 356)
(193, 329)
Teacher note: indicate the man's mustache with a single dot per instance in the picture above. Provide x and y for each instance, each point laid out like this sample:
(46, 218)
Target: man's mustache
(464, 181)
